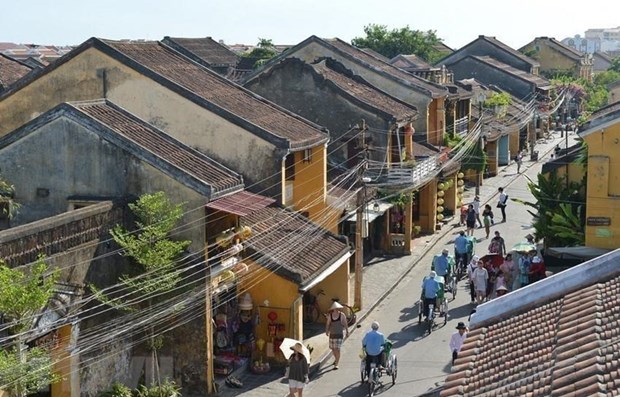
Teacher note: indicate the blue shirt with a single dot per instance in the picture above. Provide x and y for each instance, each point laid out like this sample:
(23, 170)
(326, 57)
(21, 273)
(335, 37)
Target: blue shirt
(430, 287)
(460, 244)
(441, 263)
(373, 341)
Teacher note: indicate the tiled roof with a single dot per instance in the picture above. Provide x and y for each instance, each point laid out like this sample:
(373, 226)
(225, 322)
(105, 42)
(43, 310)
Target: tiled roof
(222, 93)
(154, 141)
(508, 49)
(433, 89)
(291, 245)
(609, 113)
(358, 88)
(11, 70)
(562, 48)
(536, 80)
(375, 54)
(410, 61)
(205, 48)
(603, 56)
(563, 341)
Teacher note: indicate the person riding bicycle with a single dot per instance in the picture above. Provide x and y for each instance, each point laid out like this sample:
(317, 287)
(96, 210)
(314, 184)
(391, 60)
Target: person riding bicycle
(462, 248)
(373, 344)
(430, 291)
(442, 265)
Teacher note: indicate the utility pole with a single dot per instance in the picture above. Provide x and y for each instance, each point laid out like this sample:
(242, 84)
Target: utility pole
(533, 135)
(359, 221)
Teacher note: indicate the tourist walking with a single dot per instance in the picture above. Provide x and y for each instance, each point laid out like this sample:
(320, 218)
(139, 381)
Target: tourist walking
(336, 328)
(457, 339)
(297, 371)
(480, 277)
(502, 202)
(487, 219)
(476, 204)
(497, 244)
(470, 220)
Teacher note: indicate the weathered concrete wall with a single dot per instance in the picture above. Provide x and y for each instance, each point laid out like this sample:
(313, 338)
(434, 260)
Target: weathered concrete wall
(469, 68)
(82, 78)
(69, 160)
(314, 51)
(295, 87)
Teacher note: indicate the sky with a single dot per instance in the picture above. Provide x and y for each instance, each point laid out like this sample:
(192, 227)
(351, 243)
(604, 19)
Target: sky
(516, 23)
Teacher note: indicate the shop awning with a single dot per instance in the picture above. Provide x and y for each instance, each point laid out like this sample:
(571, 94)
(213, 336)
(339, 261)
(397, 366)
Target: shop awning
(373, 210)
(323, 275)
(242, 203)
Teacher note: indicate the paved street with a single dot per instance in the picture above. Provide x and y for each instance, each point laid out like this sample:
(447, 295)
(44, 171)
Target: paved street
(423, 360)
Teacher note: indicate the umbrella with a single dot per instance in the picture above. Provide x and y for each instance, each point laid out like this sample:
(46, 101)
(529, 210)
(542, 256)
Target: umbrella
(495, 259)
(286, 345)
(524, 247)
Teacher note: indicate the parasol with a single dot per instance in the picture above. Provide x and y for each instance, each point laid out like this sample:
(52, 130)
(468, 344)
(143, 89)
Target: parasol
(495, 259)
(288, 343)
(524, 247)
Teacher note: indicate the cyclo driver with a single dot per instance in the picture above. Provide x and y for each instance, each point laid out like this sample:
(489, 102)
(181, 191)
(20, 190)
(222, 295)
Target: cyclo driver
(461, 248)
(442, 265)
(430, 289)
(373, 343)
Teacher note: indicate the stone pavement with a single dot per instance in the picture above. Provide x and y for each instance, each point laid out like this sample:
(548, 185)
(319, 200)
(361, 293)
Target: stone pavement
(382, 275)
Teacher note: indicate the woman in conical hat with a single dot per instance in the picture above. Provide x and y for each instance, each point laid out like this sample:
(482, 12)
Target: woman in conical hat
(336, 329)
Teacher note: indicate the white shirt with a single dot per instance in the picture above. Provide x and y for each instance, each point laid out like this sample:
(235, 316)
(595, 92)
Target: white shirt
(456, 341)
(476, 204)
(503, 197)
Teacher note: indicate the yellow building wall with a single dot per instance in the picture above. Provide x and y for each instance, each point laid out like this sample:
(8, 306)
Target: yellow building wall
(428, 207)
(282, 294)
(492, 155)
(62, 365)
(513, 143)
(310, 186)
(81, 79)
(550, 59)
(450, 199)
(603, 190)
(436, 117)
(575, 172)
(335, 286)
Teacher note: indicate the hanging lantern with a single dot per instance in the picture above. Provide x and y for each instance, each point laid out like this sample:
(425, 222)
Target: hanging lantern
(441, 193)
(440, 209)
(461, 189)
(440, 201)
(450, 183)
(460, 182)
(459, 196)
(441, 186)
(440, 217)
(460, 175)
(460, 203)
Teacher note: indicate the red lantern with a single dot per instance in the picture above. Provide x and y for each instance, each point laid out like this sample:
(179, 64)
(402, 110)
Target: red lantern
(272, 316)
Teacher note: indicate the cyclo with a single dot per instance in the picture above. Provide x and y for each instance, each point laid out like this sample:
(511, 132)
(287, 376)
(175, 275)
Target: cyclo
(450, 283)
(377, 370)
(430, 312)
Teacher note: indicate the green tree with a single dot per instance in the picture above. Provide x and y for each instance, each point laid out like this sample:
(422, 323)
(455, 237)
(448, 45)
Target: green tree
(264, 51)
(8, 205)
(390, 43)
(25, 370)
(615, 65)
(151, 248)
(558, 210)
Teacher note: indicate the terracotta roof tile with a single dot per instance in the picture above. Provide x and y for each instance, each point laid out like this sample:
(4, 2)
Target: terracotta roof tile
(434, 89)
(363, 91)
(11, 71)
(565, 346)
(207, 49)
(536, 80)
(291, 245)
(155, 141)
(222, 93)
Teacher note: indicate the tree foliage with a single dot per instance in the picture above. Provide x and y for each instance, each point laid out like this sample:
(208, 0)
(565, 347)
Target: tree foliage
(390, 43)
(23, 294)
(558, 210)
(7, 191)
(264, 51)
(615, 65)
(150, 247)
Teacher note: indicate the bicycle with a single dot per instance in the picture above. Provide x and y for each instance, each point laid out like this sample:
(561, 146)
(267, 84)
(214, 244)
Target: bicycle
(312, 310)
(376, 372)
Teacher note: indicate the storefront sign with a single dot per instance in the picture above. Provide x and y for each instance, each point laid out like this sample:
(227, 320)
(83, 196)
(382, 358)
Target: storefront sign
(598, 221)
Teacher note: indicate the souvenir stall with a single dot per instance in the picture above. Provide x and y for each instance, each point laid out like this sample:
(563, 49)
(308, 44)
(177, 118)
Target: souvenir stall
(234, 315)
